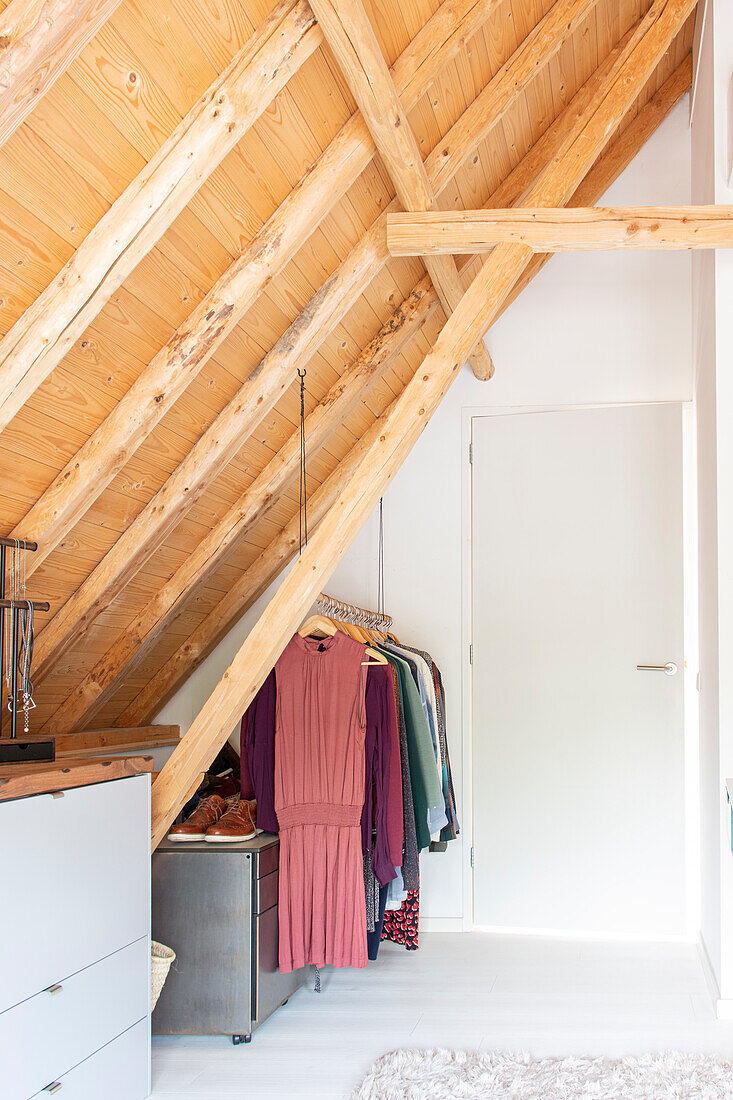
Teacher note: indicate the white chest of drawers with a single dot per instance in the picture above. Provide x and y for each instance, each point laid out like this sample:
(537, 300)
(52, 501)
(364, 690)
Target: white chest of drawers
(75, 949)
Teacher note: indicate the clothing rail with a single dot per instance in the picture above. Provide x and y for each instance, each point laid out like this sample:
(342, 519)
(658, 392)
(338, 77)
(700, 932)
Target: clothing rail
(349, 612)
(37, 605)
(18, 544)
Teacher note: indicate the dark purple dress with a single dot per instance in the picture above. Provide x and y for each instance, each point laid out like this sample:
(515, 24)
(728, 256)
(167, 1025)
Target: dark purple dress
(257, 751)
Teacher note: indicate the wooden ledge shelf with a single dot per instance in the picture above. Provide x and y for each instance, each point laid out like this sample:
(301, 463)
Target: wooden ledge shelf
(21, 780)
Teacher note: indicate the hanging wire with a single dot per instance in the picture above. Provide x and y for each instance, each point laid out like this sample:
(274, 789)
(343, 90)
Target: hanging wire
(303, 490)
(380, 560)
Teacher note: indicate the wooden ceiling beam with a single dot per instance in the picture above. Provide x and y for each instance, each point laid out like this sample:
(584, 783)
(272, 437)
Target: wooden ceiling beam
(168, 374)
(407, 419)
(39, 39)
(607, 169)
(137, 638)
(259, 394)
(349, 33)
(249, 586)
(561, 229)
(137, 220)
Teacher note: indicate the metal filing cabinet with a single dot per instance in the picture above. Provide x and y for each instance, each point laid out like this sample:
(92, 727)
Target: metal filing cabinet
(216, 906)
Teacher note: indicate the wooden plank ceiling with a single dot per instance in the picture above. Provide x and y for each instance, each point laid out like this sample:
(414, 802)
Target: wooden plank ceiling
(85, 141)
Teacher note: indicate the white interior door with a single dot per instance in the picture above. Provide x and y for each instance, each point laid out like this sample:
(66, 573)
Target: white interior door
(577, 756)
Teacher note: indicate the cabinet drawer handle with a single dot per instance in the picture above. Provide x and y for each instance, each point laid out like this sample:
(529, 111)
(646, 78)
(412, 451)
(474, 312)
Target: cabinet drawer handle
(53, 1087)
(54, 989)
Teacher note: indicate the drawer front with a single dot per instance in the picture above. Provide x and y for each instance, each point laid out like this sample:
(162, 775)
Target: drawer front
(270, 987)
(268, 860)
(119, 1071)
(44, 1037)
(267, 892)
(77, 869)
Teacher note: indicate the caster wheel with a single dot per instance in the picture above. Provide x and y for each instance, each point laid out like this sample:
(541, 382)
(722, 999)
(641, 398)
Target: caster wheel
(237, 1039)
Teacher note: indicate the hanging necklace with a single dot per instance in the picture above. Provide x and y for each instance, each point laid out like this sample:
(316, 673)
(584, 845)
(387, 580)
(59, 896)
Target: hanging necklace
(25, 659)
(10, 656)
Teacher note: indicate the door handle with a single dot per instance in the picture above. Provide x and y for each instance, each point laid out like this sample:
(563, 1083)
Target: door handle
(670, 668)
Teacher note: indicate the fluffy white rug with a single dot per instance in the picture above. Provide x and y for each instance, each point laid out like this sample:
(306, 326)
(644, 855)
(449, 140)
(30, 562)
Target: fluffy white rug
(467, 1075)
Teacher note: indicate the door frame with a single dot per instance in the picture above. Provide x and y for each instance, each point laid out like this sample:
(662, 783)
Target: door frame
(691, 661)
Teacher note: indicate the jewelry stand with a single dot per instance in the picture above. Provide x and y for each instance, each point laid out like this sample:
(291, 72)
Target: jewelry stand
(14, 749)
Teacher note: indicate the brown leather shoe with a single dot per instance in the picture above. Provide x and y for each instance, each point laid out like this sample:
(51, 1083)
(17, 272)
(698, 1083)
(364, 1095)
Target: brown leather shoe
(206, 814)
(238, 823)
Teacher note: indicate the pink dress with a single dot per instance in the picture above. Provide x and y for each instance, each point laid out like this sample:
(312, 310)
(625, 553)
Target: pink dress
(319, 793)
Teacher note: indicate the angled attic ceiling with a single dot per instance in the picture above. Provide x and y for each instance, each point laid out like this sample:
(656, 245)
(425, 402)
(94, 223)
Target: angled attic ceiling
(263, 254)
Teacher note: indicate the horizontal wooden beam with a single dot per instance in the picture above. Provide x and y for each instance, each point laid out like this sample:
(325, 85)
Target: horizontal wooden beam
(39, 39)
(164, 379)
(407, 419)
(187, 658)
(579, 229)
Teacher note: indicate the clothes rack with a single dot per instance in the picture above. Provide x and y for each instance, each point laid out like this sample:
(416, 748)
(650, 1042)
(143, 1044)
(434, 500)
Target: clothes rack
(349, 612)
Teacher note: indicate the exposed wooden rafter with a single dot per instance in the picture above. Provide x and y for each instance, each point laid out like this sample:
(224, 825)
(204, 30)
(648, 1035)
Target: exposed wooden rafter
(251, 584)
(410, 413)
(349, 34)
(258, 395)
(38, 41)
(181, 664)
(136, 221)
(175, 366)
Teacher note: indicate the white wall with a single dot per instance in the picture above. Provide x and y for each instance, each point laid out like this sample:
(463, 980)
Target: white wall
(703, 311)
(591, 328)
(713, 353)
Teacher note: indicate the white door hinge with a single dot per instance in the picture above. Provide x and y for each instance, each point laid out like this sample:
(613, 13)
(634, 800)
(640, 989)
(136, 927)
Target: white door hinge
(472, 857)
(470, 453)
(470, 654)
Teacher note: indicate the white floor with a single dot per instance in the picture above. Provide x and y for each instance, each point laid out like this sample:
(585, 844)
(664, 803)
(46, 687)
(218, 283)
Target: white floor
(550, 997)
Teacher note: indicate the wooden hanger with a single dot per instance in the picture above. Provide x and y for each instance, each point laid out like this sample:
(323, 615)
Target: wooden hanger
(327, 628)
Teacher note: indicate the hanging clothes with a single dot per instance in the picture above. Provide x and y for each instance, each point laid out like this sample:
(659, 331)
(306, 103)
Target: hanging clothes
(257, 754)
(427, 790)
(375, 817)
(319, 795)
(401, 925)
(410, 849)
(433, 698)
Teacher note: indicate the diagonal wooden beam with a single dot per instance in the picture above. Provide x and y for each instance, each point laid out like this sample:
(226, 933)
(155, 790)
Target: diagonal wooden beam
(258, 395)
(161, 383)
(250, 585)
(137, 638)
(134, 223)
(39, 39)
(408, 417)
(561, 229)
(349, 33)
(169, 678)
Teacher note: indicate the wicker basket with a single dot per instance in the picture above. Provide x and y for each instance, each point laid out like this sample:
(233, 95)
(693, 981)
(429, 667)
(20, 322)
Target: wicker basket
(161, 960)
